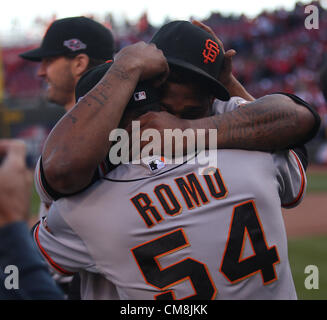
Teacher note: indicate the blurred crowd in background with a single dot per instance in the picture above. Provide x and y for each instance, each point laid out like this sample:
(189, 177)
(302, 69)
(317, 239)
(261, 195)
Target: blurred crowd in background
(275, 52)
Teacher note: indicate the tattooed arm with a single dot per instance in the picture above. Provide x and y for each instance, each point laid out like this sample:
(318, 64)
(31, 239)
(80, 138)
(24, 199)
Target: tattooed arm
(79, 142)
(273, 122)
(270, 123)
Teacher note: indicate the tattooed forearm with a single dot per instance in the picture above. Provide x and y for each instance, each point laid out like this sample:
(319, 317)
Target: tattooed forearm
(101, 94)
(270, 123)
(96, 99)
(119, 72)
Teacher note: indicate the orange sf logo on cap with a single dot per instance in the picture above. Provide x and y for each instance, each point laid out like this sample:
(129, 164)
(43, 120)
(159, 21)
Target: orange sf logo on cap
(211, 51)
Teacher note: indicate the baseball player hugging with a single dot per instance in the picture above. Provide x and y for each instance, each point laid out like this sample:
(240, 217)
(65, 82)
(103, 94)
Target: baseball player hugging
(163, 230)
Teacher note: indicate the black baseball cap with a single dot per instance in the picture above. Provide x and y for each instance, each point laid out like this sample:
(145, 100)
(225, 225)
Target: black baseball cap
(145, 97)
(194, 50)
(74, 35)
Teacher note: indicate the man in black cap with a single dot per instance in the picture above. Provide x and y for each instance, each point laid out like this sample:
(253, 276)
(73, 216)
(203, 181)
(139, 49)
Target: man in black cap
(69, 48)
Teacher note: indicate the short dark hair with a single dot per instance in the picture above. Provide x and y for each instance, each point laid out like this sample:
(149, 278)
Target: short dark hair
(93, 62)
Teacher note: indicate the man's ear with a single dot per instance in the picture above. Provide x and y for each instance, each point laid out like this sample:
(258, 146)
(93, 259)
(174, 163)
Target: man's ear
(80, 64)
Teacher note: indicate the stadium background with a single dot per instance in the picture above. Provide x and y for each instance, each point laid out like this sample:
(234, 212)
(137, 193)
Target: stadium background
(275, 52)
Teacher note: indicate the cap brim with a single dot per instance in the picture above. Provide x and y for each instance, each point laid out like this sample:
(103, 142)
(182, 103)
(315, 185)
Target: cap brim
(217, 89)
(38, 54)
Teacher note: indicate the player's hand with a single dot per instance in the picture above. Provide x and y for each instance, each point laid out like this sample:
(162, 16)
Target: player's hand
(226, 75)
(15, 182)
(146, 59)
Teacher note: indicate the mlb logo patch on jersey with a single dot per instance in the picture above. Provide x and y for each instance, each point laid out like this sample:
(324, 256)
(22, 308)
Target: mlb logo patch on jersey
(155, 164)
(138, 96)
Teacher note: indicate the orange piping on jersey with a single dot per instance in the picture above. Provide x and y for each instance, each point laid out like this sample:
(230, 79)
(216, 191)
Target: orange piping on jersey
(172, 192)
(48, 258)
(299, 196)
(188, 184)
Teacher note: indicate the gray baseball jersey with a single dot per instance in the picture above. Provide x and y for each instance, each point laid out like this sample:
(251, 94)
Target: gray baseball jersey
(156, 231)
(46, 202)
(46, 197)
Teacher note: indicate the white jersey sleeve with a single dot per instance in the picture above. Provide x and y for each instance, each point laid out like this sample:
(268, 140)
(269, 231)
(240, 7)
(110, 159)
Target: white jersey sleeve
(291, 177)
(62, 248)
(220, 107)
